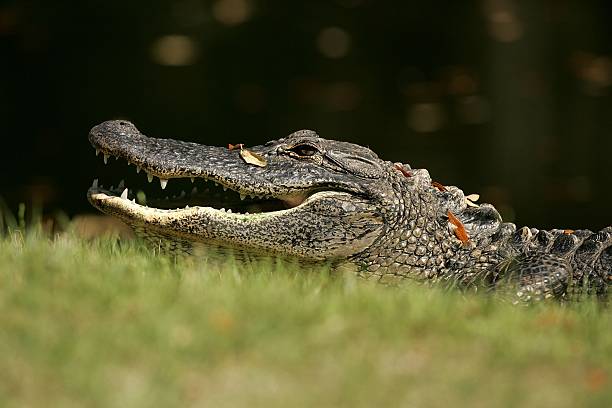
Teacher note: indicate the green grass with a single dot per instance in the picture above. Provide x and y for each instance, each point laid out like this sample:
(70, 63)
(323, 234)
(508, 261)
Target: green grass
(108, 323)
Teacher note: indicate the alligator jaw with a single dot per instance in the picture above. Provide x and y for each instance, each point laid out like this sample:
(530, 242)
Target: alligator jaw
(314, 222)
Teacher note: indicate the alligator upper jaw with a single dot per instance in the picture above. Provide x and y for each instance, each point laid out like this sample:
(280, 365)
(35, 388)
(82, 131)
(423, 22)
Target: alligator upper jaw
(167, 159)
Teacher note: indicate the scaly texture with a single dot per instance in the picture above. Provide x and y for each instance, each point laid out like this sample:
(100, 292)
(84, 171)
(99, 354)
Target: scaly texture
(342, 204)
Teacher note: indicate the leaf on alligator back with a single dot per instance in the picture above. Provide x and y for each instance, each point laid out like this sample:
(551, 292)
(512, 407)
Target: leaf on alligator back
(235, 146)
(471, 199)
(253, 158)
(402, 170)
(460, 231)
(439, 186)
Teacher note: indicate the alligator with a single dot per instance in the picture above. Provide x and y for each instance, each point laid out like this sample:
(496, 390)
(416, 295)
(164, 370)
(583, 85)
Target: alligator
(321, 200)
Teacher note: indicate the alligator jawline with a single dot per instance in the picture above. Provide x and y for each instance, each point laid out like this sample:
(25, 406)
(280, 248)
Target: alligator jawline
(213, 196)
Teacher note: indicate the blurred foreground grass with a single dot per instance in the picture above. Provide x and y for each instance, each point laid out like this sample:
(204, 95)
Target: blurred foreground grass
(107, 323)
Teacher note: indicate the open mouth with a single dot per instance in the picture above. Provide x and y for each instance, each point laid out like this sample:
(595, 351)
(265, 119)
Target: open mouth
(139, 189)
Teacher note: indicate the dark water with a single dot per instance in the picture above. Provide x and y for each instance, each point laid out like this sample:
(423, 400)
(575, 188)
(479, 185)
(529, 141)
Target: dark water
(511, 99)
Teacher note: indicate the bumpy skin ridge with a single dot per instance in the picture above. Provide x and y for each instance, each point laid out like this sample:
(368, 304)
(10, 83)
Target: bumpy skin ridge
(386, 219)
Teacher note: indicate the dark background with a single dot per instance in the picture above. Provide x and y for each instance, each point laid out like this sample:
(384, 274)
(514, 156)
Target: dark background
(511, 99)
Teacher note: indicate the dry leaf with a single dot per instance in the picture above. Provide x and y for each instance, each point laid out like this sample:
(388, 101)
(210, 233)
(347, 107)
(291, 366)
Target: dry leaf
(235, 146)
(253, 158)
(460, 231)
(469, 200)
(439, 186)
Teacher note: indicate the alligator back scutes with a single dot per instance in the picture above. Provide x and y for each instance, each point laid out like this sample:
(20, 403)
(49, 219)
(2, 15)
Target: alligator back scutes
(589, 253)
(592, 261)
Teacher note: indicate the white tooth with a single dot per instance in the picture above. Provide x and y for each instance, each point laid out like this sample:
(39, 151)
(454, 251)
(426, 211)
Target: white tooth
(149, 177)
(224, 188)
(137, 169)
(97, 152)
(95, 183)
(183, 194)
(246, 213)
(229, 210)
(216, 184)
(105, 158)
(124, 194)
(121, 184)
(242, 196)
(194, 190)
(186, 206)
(116, 157)
(112, 188)
(192, 179)
(251, 196)
(163, 183)
(134, 200)
(223, 209)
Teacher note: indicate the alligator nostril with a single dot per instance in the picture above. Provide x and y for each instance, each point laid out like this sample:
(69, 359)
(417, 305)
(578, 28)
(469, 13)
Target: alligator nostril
(123, 123)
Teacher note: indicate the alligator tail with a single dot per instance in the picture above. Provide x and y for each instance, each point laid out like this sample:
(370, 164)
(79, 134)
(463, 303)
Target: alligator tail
(582, 259)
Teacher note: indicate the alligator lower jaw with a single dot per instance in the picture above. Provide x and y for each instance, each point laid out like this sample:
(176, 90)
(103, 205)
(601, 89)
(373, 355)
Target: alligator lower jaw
(121, 204)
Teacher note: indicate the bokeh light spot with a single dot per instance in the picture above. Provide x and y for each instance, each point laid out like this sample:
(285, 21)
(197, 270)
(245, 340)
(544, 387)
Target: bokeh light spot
(174, 50)
(425, 117)
(232, 12)
(334, 42)
(504, 25)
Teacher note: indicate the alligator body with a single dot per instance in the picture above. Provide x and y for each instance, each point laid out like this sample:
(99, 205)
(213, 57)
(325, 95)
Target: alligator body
(323, 200)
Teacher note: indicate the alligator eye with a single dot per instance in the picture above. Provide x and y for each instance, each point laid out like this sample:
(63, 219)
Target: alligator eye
(304, 150)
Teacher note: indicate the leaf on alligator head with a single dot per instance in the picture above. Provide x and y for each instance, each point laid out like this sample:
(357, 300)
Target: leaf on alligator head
(253, 158)
(235, 146)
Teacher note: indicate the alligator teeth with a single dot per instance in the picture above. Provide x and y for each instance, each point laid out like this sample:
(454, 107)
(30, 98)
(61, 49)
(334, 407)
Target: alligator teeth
(124, 194)
(163, 183)
(97, 152)
(121, 184)
(224, 188)
(192, 179)
(149, 177)
(95, 183)
(138, 169)
(223, 209)
(229, 210)
(105, 158)
(134, 200)
(242, 196)
(194, 190)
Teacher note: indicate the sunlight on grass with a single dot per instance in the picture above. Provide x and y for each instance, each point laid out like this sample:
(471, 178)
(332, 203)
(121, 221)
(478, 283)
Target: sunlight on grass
(107, 322)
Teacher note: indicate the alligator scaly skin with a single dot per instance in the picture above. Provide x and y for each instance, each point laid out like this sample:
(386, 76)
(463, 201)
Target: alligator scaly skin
(347, 206)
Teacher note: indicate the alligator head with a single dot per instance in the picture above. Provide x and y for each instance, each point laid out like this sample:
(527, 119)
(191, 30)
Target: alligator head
(301, 196)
